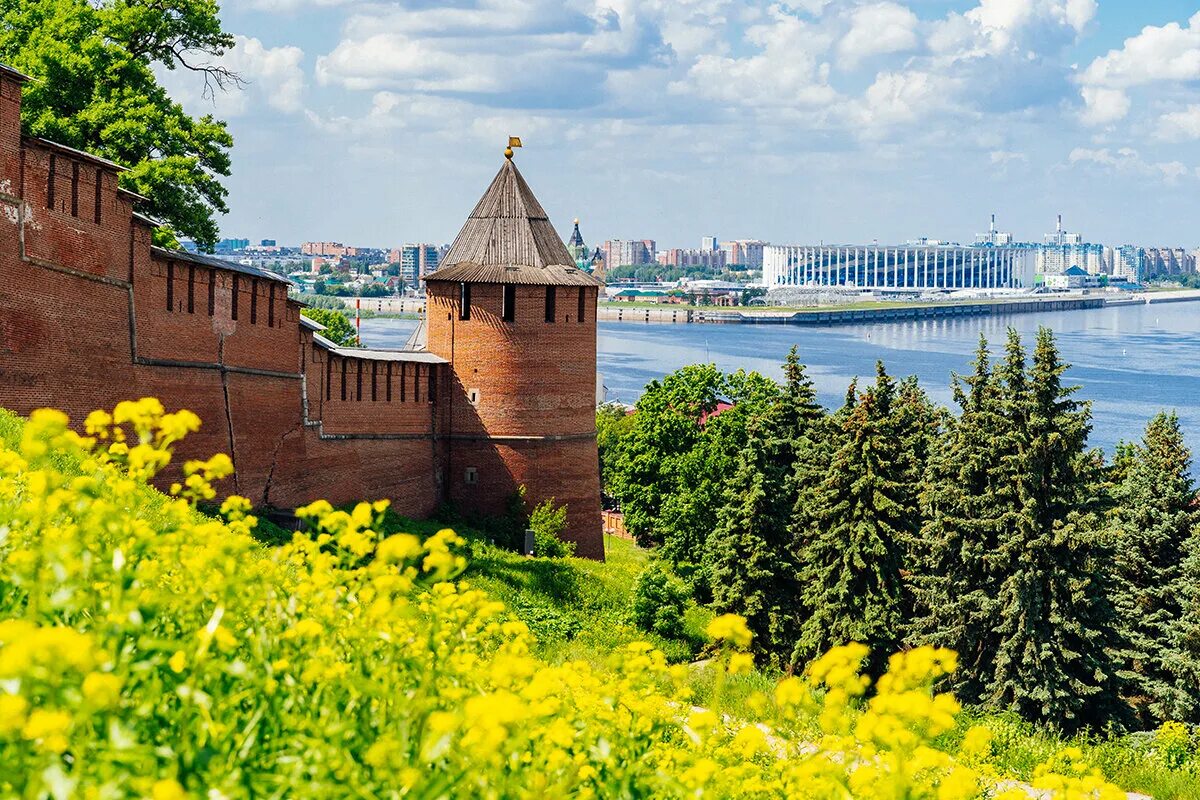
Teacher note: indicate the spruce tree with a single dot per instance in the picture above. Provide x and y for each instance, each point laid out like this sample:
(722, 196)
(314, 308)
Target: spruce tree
(1059, 659)
(1154, 518)
(1183, 659)
(754, 568)
(851, 557)
(956, 583)
(754, 571)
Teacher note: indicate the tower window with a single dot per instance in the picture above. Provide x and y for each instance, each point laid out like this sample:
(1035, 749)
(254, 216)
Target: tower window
(471, 476)
(550, 303)
(99, 190)
(236, 290)
(464, 301)
(508, 310)
(473, 396)
(581, 312)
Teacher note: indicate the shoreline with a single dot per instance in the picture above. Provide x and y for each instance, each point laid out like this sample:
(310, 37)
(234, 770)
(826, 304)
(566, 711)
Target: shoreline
(890, 313)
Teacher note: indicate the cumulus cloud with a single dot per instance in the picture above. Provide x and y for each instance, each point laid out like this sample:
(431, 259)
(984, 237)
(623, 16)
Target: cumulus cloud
(1103, 106)
(1021, 27)
(1159, 54)
(1167, 53)
(1129, 161)
(1178, 126)
(787, 67)
(877, 29)
(900, 97)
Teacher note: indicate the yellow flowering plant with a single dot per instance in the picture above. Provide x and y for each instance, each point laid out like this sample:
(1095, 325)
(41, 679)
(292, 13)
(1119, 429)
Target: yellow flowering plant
(147, 650)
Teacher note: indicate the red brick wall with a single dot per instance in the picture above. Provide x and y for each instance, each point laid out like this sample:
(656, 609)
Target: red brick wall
(89, 317)
(533, 419)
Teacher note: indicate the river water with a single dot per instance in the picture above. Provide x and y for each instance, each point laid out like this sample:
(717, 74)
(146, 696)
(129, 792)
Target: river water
(1130, 362)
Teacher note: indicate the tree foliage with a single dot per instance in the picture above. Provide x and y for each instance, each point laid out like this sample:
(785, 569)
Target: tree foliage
(1155, 522)
(338, 328)
(852, 557)
(95, 89)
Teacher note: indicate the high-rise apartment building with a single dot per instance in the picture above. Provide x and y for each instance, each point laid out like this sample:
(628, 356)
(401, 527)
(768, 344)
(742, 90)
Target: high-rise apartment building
(415, 260)
(708, 243)
(1062, 250)
(627, 252)
(1129, 262)
(679, 257)
(745, 253)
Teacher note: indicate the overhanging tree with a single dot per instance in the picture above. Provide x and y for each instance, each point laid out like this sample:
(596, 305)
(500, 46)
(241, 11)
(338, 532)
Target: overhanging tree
(94, 88)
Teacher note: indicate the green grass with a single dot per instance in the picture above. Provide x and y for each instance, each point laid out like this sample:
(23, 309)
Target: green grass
(1132, 761)
(578, 608)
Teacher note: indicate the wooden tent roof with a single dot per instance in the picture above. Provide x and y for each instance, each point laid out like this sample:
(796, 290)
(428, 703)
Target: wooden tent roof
(509, 239)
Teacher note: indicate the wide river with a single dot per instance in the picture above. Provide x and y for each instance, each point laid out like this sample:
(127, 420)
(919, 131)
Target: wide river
(1130, 362)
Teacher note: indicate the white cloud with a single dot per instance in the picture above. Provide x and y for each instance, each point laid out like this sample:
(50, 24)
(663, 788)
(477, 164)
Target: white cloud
(274, 77)
(1159, 54)
(1166, 53)
(900, 97)
(1129, 161)
(788, 69)
(877, 29)
(1103, 106)
(1023, 27)
(1178, 126)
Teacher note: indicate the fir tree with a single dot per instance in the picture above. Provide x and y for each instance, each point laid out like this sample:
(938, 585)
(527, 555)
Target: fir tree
(755, 572)
(956, 585)
(1058, 659)
(1154, 518)
(851, 557)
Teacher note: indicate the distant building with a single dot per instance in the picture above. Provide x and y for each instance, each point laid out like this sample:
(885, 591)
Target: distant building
(1129, 263)
(232, 245)
(1062, 250)
(1074, 278)
(268, 243)
(994, 237)
(628, 252)
(578, 250)
(1162, 262)
(911, 266)
(415, 260)
(335, 249)
(708, 243)
(678, 257)
(747, 253)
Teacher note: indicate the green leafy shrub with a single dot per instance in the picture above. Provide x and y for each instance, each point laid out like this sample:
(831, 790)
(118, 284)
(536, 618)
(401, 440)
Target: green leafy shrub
(660, 600)
(548, 522)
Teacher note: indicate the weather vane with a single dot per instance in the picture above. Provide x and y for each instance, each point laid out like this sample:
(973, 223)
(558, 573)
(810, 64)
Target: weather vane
(513, 141)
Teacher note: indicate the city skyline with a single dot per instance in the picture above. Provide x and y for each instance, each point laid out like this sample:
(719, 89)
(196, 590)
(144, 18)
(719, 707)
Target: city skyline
(847, 121)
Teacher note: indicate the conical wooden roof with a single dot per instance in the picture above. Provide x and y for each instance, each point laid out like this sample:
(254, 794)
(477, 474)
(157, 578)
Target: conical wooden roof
(509, 239)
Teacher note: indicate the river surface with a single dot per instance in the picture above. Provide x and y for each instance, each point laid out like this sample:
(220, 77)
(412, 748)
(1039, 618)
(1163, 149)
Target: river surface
(1130, 362)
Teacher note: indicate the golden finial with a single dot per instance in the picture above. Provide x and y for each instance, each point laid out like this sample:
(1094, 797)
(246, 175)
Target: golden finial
(577, 220)
(513, 141)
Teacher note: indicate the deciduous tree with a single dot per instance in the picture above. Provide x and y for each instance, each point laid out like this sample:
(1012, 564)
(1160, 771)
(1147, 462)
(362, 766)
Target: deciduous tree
(95, 89)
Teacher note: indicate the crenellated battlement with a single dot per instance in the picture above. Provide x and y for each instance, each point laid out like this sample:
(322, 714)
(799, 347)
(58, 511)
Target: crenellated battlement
(91, 313)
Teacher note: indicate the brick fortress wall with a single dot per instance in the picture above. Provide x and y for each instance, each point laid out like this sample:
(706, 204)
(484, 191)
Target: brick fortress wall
(90, 315)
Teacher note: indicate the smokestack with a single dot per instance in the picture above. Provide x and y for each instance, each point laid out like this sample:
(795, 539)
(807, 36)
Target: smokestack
(1059, 228)
(993, 226)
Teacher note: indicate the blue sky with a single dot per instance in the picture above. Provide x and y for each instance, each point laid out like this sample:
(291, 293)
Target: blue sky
(376, 123)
